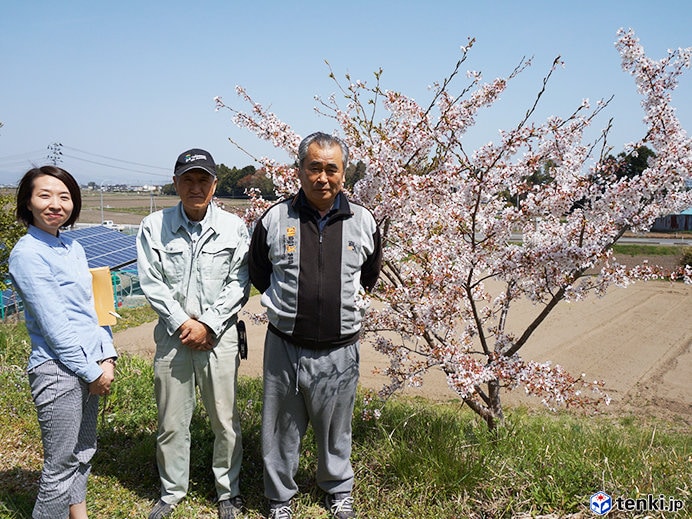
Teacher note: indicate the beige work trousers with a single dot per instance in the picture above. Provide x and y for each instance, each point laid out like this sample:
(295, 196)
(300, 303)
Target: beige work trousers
(177, 371)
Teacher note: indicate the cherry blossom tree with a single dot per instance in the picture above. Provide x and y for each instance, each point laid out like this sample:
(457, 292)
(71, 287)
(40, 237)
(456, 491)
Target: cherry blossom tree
(458, 255)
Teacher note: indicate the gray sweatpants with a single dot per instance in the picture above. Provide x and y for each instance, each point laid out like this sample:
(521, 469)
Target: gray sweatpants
(304, 386)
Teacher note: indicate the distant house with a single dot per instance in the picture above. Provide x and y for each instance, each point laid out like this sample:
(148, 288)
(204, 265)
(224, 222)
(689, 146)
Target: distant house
(674, 222)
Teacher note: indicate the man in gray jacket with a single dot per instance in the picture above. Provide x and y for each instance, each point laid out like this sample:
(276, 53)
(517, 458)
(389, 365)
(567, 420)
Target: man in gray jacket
(312, 256)
(192, 262)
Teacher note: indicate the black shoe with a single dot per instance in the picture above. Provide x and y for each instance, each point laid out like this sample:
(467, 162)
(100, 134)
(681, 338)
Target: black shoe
(230, 508)
(161, 509)
(340, 505)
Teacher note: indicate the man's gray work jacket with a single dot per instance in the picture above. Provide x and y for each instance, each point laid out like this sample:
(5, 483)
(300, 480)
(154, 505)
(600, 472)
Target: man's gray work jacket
(206, 279)
(312, 280)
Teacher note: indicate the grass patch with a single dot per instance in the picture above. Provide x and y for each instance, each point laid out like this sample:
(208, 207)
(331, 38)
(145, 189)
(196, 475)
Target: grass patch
(134, 316)
(418, 460)
(139, 211)
(137, 315)
(635, 249)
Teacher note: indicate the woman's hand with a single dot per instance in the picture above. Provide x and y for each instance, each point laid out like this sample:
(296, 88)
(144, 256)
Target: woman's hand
(102, 385)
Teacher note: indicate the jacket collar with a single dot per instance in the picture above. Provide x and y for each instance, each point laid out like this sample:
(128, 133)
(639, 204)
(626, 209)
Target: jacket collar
(300, 203)
(178, 220)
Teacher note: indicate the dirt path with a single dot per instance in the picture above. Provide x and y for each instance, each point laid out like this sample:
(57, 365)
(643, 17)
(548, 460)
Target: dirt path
(638, 340)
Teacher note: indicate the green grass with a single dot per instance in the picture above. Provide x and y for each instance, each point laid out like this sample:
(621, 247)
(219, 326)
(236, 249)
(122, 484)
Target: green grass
(418, 460)
(635, 249)
(134, 316)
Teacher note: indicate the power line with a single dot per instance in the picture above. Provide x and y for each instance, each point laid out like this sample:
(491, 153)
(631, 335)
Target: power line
(20, 162)
(39, 156)
(23, 155)
(117, 167)
(114, 159)
(23, 160)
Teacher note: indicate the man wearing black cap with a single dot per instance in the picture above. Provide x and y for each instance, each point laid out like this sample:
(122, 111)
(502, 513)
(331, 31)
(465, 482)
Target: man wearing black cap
(192, 262)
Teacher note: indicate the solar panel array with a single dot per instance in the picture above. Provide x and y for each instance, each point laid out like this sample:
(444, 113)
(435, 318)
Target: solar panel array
(105, 247)
(10, 302)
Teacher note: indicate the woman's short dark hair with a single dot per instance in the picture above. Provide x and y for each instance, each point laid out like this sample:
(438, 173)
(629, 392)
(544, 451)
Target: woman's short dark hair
(26, 188)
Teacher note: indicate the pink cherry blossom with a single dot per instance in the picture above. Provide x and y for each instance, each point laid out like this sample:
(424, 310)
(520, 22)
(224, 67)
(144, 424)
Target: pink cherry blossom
(458, 255)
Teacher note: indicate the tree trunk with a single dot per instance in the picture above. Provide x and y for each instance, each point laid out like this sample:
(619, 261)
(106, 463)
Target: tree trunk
(491, 412)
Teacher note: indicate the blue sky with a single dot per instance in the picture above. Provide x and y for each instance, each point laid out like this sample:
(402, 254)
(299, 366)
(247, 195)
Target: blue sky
(126, 86)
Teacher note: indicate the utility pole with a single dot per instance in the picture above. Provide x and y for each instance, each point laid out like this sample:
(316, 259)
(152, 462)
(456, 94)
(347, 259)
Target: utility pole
(102, 201)
(55, 153)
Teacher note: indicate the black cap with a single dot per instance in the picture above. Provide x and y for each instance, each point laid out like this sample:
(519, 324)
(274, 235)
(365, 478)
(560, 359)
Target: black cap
(195, 159)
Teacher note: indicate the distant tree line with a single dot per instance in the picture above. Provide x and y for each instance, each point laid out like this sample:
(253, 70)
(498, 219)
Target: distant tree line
(623, 165)
(234, 182)
(10, 232)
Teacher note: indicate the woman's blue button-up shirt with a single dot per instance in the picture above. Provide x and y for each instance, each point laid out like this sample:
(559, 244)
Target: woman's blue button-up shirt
(52, 276)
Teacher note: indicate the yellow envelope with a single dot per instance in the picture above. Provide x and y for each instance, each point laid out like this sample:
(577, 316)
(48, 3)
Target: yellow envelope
(103, 295)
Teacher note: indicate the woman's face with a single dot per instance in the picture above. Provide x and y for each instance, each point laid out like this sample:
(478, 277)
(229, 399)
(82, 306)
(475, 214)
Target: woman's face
(50, 203)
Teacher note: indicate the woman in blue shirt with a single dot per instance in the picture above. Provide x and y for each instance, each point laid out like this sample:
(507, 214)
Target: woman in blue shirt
(72, 359)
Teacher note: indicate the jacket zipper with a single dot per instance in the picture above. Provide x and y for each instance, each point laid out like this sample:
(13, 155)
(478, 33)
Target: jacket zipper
(194, 247)
(320, 268)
